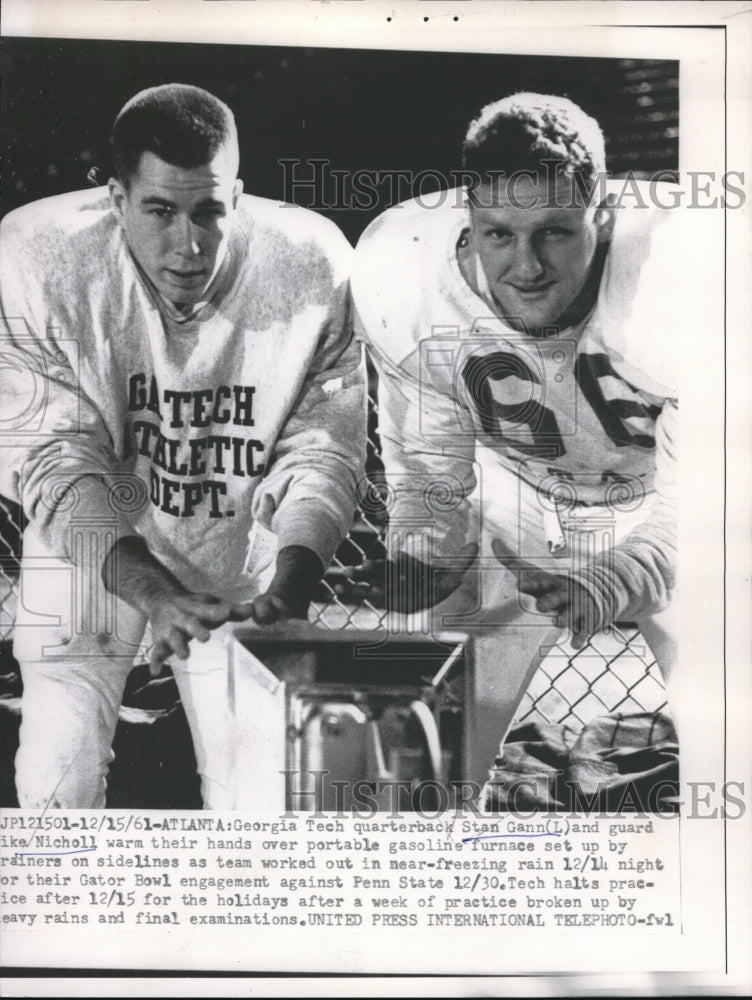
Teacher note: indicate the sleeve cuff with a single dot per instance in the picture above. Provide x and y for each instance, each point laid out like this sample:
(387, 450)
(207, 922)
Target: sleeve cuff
(314, 528)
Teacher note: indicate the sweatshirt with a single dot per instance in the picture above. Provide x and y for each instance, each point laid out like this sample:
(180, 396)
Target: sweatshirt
(588, 415)
(197, 433)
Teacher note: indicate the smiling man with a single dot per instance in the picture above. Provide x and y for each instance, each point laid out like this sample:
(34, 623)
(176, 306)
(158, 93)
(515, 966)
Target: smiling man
(184, 425)
(526, 401)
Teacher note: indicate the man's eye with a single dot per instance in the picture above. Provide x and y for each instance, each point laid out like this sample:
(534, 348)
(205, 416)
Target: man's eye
(556, 232)
(160, 213)
(500, 235)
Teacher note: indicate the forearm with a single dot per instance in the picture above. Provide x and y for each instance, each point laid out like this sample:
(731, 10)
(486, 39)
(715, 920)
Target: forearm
(64, 474)
(637, 577)
(429, 462)
(176, 615)
(298, 571)
(136, 576)
(427, 499)
(313, 523)
(308, 497)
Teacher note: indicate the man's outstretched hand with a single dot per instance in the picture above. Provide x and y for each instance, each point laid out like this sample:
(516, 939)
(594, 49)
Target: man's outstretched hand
(178, 618)
(556, 594)
(406, 584)
(176, 614)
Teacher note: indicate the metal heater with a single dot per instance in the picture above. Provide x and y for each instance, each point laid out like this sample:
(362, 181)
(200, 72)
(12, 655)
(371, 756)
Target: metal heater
(347, 720)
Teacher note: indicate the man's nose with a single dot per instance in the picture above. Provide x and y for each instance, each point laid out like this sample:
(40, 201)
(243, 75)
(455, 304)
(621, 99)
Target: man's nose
(527, 265)
(188, 241)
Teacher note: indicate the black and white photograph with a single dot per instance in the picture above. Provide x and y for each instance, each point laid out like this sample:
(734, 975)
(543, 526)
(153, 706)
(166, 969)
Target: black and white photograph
(346, 538)
(530, 457)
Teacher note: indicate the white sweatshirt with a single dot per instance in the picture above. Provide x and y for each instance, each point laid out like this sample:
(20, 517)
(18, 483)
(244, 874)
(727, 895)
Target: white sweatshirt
(253, 411)
(591, 411)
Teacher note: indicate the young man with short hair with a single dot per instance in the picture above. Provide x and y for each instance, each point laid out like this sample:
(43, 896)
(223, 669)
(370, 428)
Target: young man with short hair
(527, 402)
(184, 414)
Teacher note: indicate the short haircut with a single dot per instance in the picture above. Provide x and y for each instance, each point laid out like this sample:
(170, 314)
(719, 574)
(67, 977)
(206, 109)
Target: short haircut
(538, 133)
(183, 125)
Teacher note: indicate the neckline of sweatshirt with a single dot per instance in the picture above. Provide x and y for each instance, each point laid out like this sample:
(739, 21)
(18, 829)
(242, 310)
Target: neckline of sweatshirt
(222, 290)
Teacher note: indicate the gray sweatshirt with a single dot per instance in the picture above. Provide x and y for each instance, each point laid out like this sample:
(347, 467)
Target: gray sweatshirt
(590, 414)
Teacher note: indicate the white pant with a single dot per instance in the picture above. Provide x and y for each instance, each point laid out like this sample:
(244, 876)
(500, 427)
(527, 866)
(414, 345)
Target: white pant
(76, 646)
(509, 637)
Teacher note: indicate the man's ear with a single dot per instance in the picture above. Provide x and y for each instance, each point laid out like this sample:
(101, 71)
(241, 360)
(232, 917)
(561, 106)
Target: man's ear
(117, 199)
(236, 192)
(470, 216)
(605, 220)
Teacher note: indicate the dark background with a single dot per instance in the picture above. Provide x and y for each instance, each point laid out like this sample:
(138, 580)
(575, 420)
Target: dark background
(358, 109)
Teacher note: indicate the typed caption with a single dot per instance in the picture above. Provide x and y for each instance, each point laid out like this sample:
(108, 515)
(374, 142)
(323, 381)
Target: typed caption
(145, 871)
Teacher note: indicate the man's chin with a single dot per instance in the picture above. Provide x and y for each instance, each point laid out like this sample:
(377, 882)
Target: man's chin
(539, 320)
(183, 301)
(537, 324)
(184, 290)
